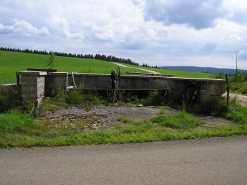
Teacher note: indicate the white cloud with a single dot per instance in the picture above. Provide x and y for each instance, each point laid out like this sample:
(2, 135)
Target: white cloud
(187, 32)
(23, 27)
(62, 26)
(234, 37)
(237, 10)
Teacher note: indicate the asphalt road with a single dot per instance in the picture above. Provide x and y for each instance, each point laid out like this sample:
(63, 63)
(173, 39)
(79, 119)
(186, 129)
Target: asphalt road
(201, 161)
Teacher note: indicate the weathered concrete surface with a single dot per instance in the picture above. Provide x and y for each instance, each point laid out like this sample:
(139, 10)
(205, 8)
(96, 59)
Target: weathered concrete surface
(203, 161)
(32, 87)
(37, 84)
(8, 88)
(205, 90)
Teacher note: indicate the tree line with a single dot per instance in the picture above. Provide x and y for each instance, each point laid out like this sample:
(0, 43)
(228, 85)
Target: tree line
(62, 54)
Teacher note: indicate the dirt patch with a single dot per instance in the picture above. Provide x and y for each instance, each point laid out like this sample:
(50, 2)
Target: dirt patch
(104, 116)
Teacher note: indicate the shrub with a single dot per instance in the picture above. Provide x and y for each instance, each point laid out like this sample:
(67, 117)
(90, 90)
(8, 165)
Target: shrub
(237, 76)
(239, 87)
(74, 97)
(232, 111)
(220, 75)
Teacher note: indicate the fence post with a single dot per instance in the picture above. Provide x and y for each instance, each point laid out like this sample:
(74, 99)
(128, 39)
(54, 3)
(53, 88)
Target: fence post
(227, 87)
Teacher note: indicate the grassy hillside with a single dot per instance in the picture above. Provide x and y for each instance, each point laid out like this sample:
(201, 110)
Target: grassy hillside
(11, 62)
(178, 73)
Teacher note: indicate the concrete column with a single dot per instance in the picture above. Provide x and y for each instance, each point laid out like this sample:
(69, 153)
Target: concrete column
(32, 87)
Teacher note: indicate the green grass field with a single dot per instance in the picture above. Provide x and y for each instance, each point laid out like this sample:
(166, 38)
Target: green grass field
(178, 73)
(11, 62)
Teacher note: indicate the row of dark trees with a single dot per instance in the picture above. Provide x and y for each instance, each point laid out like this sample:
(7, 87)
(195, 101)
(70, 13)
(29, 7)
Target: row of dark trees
(91, 56)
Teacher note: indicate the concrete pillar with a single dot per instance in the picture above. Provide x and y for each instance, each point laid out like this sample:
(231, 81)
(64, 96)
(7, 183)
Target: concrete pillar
(32, 87)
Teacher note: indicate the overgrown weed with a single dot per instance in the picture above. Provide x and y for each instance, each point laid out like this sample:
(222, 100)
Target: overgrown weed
(17, 121)
(232, 111)
(181, 120)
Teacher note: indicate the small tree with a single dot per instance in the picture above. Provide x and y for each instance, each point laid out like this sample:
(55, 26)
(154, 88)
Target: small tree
(51, 62)
(220, 75)
(238, 76)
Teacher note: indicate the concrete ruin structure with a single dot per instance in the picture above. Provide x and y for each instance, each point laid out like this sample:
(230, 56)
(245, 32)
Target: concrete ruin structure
(33, 86)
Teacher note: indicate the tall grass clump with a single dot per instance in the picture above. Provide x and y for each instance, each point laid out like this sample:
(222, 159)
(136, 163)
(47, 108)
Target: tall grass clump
(77, 98)
(46, 106)
(181, 120)
(123, 119)
(238, 82)
(74, 97)
(16, 121)
(232, 111)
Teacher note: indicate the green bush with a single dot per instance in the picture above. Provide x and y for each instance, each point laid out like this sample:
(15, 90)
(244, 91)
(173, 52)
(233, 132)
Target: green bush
(238, 82)
(232, 111)
(221, 75)
(74, 97)
(237, 77)
(238, 87)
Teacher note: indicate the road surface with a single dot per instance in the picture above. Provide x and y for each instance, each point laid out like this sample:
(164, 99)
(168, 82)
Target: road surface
(200, 161)
(150, 71)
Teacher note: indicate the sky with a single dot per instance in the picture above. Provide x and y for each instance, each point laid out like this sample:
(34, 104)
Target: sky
(204, 33)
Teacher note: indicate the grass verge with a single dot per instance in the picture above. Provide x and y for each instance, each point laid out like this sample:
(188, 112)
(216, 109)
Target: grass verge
(21, 130)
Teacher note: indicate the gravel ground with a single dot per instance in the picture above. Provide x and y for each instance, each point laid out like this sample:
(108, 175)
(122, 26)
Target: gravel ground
(107, 115)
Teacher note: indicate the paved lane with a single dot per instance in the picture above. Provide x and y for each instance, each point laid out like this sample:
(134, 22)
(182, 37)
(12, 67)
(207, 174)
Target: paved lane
(202, 161)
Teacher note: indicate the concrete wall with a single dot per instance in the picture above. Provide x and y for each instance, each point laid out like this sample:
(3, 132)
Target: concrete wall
(204, 90)
(54, 82)
(103, 81)
(143, 82)
(35, 85)
(8, 88)
(90, 81)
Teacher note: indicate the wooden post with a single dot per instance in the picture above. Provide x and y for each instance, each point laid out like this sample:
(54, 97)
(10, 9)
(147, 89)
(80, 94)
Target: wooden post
(18, 87)
(227, 86)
